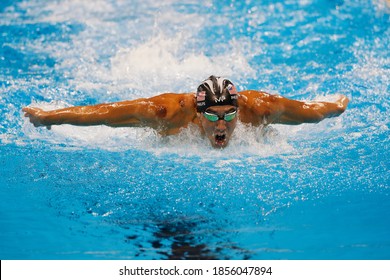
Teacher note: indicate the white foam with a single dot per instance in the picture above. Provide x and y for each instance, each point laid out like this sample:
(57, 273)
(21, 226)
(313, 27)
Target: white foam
(382, 6)
(161, 65)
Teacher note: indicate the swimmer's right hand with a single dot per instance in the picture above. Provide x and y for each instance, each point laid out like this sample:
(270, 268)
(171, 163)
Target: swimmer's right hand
(37, 116)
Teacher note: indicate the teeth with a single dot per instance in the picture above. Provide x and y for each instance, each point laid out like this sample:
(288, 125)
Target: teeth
(220, 137)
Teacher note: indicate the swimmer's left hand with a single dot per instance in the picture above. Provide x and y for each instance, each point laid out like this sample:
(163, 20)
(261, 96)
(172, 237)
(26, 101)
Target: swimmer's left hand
(342, 103)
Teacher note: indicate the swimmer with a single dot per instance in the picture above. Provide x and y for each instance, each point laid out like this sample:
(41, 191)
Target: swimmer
(215, 108)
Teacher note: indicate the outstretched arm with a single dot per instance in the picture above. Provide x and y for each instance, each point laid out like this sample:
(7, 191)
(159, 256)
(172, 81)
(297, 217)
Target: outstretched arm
(297, 112)
(258, 108)
(165, 113)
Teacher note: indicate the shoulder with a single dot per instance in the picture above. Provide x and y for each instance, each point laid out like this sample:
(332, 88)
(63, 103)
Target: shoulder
(258, 107)
(257, 94)
(256, 97)
(175, 103)
(174, 97)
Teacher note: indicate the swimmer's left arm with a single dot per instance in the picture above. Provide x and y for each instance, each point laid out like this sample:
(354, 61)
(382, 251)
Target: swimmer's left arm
(288, 111)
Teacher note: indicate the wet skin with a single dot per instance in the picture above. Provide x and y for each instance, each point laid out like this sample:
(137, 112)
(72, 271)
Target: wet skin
(170, 112)
(220, 131)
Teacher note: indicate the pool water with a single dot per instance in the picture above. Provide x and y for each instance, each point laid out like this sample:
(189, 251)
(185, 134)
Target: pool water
(313, 191)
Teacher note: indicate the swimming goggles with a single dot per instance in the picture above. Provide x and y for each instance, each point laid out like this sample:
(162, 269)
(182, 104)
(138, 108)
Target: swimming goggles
(215, 117)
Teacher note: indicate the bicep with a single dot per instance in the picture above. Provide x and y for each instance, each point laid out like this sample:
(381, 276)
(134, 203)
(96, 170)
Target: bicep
(258, 108)
(297, 112)
(139, 112)
(162, 112)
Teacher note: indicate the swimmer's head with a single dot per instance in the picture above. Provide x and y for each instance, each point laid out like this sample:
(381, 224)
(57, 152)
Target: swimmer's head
(217, 107)
(215, 91)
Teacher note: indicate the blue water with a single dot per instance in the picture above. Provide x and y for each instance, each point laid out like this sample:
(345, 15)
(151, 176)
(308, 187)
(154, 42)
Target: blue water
(314, 191)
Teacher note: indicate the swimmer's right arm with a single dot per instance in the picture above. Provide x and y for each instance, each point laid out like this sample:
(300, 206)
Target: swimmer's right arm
(154, 112)
(101, 114)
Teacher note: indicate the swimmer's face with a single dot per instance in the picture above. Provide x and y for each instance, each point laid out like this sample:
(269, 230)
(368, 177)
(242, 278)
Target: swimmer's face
(218, 123)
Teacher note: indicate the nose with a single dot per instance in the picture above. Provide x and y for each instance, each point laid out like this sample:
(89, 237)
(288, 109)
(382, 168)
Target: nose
(220, 125)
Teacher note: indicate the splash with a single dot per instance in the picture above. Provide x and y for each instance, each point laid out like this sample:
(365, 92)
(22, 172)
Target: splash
(162, 65)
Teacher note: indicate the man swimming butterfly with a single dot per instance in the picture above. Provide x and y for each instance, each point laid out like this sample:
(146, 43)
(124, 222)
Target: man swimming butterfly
(215, 109)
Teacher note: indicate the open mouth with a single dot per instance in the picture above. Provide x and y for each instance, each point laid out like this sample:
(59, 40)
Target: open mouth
(220, 139)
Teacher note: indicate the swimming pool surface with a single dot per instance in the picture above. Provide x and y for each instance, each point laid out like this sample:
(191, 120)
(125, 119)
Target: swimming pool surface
(314, 191)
